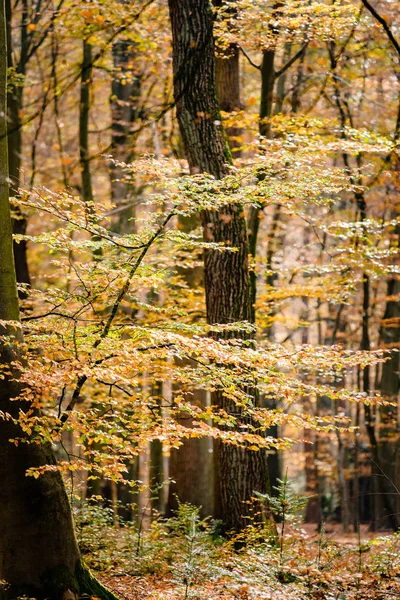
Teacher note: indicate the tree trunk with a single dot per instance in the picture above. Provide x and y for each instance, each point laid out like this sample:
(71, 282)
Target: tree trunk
(191, 466)
(191, 474)
(228, 298)
(388, 444)
(267, 92)
(125, 94)
(84, 110)
(39, 555)
(281, 85)
(227, 78)
(14, 140)
(268, 76)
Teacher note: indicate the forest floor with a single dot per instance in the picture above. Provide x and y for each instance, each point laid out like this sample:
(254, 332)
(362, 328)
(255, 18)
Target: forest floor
(182, 558)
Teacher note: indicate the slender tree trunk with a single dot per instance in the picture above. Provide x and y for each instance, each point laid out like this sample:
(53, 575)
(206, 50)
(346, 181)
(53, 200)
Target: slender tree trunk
(388, 444)
(228, 300)
(84, 111)
(14, 139)
(281, 85)
(298, 83)
(313, 509)
(343, 487)
(264, 128)
(267, 92)
(157, 474)
(125, 95)
(227, 78)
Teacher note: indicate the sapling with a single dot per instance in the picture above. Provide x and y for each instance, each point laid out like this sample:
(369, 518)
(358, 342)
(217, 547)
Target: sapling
(285, 506)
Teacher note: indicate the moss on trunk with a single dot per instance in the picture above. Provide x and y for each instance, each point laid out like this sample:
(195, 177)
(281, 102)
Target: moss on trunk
(60, 583)
(88, 584)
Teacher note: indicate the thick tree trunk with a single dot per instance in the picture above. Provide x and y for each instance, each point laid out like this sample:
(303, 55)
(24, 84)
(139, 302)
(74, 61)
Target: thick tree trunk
(36, 530)
(228, 299)
(191, 466)
(191, 474)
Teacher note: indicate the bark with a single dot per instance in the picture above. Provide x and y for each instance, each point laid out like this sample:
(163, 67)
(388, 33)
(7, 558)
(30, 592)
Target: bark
(227, 78)
(14, 140)
(298, 83)
(191, 466)
(191, 473)
(267, 92)
(388, 444)
(84, 111)
(125, 95)
(228, 299)
(39, 556)
(281, 85)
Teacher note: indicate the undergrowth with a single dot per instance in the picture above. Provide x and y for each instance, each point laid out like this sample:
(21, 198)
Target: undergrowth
(184, 557)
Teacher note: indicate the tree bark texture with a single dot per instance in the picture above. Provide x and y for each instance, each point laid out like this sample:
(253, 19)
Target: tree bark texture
(228, 299)
(267, 91)
(125, 95)
(84, 111)
(227, 78)
(14, 140)
(191, 474)
(191, 466)
(389, 443)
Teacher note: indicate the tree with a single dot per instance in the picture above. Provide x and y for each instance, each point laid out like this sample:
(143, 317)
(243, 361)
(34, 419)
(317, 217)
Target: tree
(227, 79)
(14, 126)
(240, 471)
(125, 111)
(40, 555)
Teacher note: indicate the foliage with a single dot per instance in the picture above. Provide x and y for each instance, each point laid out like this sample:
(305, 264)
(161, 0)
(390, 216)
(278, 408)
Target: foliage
(181, 556)
(117, 342)
(285, 506)
(88, 374)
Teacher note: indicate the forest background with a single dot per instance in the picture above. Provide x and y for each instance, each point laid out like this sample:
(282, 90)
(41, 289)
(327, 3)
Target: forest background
(210, 331)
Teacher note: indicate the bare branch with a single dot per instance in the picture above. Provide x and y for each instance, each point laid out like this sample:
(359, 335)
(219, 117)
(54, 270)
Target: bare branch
(249, 59)
(291, 61)
(384, 24)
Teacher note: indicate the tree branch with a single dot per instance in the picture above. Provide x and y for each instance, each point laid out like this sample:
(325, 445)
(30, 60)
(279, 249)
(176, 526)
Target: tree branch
(253, 64)
(291, 61)
(106, 329)
(384, 24)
